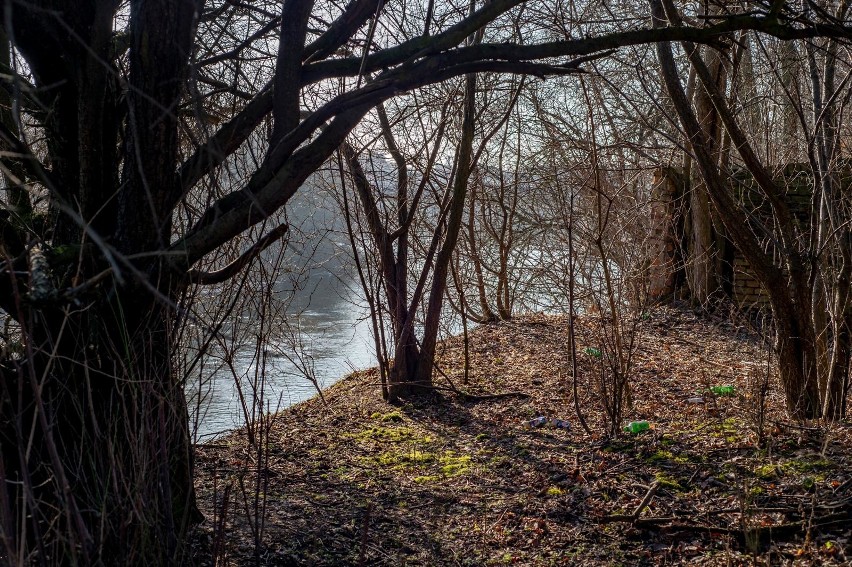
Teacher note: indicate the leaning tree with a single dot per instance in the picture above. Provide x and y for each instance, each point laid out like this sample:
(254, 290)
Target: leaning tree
(804, 265)
(116, 117)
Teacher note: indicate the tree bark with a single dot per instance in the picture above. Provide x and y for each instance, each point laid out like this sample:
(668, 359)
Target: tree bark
(442, 262)
(794, 337)
(107, 469)
(109, 415)
(706, 242)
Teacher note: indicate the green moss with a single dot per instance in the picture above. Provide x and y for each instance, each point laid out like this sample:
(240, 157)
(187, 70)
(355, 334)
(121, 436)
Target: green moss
(65, 254)
(756, 491)
(667, 481)
(481, 436)
(663, 456)
(405, 458)
(729, 430)
(729, 425)
(500, 462)
(807, 464)
(394, 416)
(660, 456)
(399, 460)
(619, 446)
(766, 472)
(378, 433)
(452, 465)
(555, 491)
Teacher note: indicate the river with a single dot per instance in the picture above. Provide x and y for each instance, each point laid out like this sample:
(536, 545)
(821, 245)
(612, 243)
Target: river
(324, 336)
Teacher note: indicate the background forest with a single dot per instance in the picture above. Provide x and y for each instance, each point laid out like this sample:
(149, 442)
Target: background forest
(173, 168)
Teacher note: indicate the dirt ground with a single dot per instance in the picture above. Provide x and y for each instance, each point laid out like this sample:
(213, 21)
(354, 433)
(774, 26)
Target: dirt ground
(458, 480)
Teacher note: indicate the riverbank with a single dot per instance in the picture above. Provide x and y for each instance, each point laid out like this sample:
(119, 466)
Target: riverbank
(452, 480)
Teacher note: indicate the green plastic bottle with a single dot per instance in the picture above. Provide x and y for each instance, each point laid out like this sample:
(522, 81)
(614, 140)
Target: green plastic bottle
(722, 390)
(637, 426)
(592, 351)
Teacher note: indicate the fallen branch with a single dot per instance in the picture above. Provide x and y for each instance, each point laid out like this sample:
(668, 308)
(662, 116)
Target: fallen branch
(634, 517)
(761, 534)
(487, 397)
(468, 397)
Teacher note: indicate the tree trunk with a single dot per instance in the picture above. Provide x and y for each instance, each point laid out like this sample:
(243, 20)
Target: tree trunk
(797, 363)
(795, 337)
(110, 464)
(94, 420)
(426, 363)
(706, 242)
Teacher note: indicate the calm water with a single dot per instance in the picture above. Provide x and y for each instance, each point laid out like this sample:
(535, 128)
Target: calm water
(326, 334)
(332, 341)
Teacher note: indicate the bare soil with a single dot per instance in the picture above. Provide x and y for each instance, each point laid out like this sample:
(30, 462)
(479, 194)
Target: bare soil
(453, 480)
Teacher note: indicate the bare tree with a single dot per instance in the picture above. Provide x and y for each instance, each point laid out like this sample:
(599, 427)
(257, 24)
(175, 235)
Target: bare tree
(489, 246)
(125, 117)
(805, 270)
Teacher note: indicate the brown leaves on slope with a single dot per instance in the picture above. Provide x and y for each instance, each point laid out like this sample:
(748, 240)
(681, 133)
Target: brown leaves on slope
(446, 480)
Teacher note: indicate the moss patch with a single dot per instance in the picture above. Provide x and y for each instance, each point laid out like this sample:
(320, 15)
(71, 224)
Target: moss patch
(663, 456)
(766, 472)
(667, 481)
(452, 465)
(807, 464)
(426, 479)
(400, 460)
(380, 433)
(393, 416)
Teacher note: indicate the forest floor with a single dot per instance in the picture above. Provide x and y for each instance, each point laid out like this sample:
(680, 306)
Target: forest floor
(456, 480)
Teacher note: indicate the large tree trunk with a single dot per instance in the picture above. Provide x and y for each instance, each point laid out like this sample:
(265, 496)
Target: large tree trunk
(788, 295)
(797, 363)
(94, 421)
(110, 461)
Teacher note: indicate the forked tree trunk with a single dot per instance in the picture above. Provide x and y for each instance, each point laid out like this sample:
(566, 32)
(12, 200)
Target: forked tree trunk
(413, 361)
(110, 463)
(426, 364)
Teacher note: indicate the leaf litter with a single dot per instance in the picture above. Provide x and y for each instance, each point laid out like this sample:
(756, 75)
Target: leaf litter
(459, 480)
